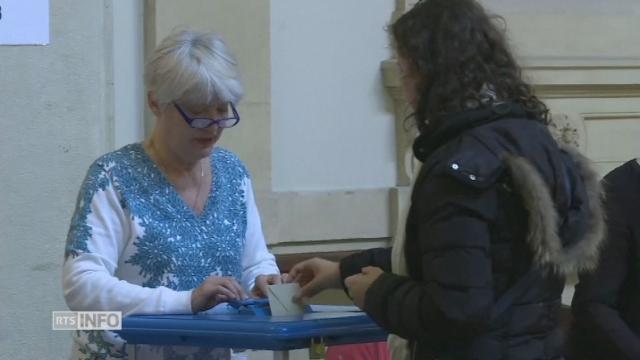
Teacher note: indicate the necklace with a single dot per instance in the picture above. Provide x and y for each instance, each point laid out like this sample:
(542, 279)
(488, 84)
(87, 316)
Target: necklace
(197, 198)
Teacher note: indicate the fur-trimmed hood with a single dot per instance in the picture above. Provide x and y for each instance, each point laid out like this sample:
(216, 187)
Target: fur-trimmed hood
(560, 190)
(578, 249)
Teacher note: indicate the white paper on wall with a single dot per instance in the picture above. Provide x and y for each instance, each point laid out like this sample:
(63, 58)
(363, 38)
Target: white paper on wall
(24, 22)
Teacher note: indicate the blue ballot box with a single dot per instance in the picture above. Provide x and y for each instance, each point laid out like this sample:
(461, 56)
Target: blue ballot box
(252, 331)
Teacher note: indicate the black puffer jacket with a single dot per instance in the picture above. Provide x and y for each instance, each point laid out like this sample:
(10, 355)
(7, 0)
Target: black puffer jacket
(495, 197)
(606, 305)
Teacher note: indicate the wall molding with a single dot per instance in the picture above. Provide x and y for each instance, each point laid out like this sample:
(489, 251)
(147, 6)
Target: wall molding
(293, 217)
(328, 245)
(565, 91)
(580, 62)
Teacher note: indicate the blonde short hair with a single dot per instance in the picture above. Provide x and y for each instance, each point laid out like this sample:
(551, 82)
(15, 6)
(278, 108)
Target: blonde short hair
(193, 68)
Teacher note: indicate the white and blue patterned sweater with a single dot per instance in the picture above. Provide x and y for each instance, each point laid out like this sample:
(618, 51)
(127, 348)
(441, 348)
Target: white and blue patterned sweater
(135, 246)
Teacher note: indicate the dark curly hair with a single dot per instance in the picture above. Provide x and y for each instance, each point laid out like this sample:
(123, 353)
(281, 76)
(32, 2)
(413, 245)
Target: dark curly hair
(455, 50)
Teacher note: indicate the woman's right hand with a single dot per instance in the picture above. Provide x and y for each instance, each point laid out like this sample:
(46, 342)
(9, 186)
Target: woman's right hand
(214, 290)
(314, 275)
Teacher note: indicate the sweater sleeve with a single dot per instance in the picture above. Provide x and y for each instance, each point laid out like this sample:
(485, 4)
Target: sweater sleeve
(97, 236)
(353, 264)
(256, 258)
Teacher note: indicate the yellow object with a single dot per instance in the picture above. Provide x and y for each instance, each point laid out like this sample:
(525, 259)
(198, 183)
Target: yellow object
(317, 350)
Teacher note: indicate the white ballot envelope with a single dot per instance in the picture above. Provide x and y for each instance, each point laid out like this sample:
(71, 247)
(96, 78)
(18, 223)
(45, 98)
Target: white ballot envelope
(281, 300)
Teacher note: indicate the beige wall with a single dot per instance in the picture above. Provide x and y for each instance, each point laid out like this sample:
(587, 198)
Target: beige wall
(584, 58)
(56, 118)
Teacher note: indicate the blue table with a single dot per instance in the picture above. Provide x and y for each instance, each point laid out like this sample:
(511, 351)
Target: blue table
(279, 334)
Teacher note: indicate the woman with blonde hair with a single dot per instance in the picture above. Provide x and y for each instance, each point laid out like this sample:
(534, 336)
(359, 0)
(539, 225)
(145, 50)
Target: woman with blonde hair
(169, 225)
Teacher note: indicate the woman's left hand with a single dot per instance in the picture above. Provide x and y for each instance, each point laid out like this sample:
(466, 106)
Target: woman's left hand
(357, 285)
(262, 281)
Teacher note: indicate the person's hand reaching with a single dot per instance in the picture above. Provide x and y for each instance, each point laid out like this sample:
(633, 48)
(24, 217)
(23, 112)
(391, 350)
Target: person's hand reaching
(214, 290)
(314, 275)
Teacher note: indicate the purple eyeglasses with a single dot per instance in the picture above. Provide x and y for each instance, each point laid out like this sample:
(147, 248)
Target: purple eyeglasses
(203, 123)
